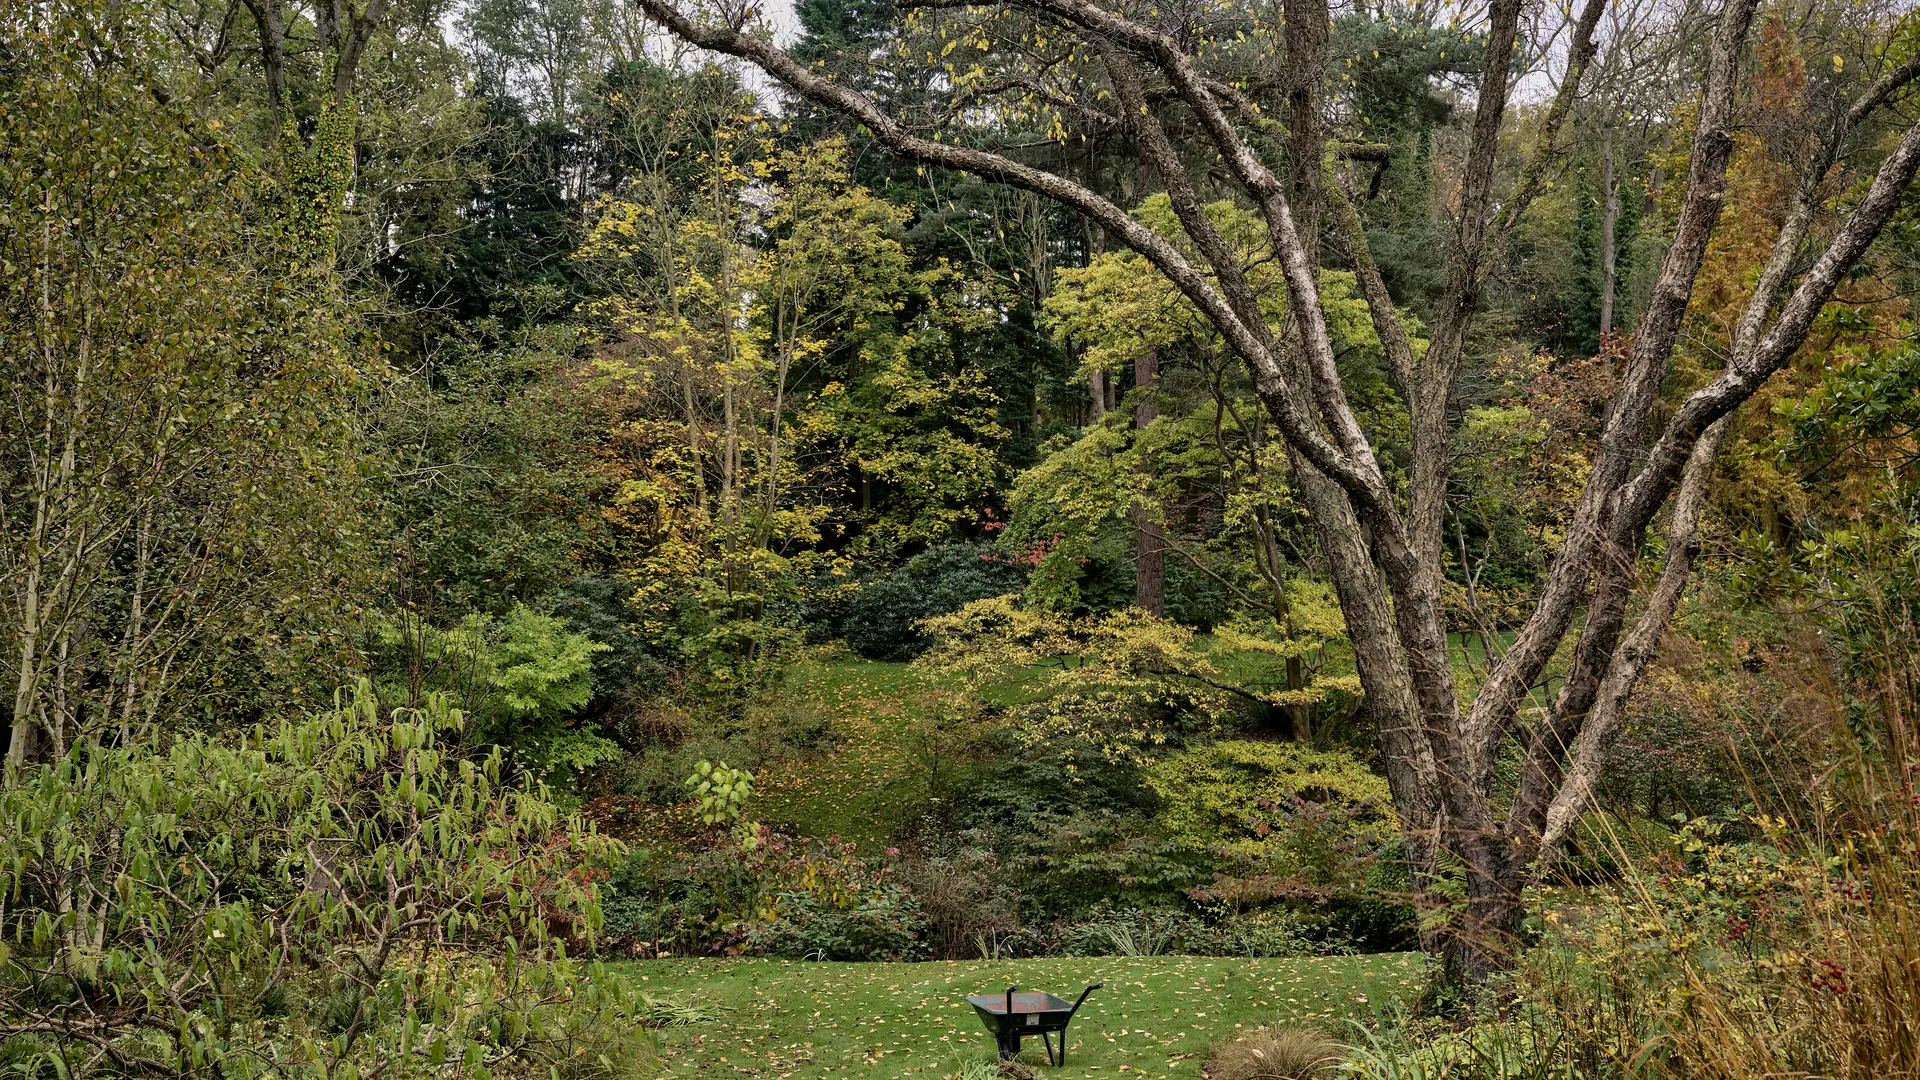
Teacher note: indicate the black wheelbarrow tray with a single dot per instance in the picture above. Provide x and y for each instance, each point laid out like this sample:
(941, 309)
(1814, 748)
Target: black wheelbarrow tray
(1015, 1015)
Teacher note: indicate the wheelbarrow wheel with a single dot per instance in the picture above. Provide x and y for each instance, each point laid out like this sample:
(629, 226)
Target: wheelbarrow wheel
(1009, 1045)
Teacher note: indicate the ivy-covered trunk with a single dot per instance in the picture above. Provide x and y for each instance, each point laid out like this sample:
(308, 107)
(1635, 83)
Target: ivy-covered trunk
(1149, 541)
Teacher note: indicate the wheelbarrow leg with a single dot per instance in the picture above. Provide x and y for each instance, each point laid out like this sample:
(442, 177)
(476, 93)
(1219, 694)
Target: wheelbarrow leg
(1048, 1039)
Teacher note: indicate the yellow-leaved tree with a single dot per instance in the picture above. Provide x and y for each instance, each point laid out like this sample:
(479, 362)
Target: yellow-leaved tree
(180, 449)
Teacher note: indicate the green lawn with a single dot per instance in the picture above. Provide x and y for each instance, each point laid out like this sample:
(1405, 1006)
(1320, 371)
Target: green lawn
(875, 771)
(1157, 1017)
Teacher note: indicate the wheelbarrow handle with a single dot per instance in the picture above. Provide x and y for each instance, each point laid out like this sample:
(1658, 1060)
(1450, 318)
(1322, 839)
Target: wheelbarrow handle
(1011, 990)
(1083, 995)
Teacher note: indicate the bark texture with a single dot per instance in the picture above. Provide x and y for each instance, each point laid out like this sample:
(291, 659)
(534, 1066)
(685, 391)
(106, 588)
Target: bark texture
(1149, 541)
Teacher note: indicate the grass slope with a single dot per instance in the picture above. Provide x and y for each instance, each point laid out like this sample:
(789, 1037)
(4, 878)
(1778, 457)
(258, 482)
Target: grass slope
(875, 772)
(1157, 1016)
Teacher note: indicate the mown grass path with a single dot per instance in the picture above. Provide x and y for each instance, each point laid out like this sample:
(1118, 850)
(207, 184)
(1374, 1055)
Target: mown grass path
(1157, 1016)
(859, 789)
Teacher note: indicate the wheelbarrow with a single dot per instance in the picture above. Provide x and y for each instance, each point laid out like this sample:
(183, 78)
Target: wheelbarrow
(1015, 1015)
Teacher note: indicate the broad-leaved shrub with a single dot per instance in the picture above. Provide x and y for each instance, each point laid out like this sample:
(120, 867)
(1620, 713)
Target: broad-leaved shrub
(339, 895)
(881, 618)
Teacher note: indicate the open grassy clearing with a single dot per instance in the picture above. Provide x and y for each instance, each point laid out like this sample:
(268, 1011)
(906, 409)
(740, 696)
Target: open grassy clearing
(1157, 1016)
(874, 770)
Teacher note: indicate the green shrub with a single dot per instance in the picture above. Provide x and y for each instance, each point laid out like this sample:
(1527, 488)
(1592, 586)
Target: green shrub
(883, 922)
(524, 678)
(1213, 793)
(1277, 932)
(971, 901)
(823, 901)
(1287, 825)
(1138, 932)
(722, 791)
(880, 619)
(776, 897)
(337, 894)
(1048, 850)
(1074, 826)
(629, 670)
(764, 732)
(1109, 931)
(633, 920)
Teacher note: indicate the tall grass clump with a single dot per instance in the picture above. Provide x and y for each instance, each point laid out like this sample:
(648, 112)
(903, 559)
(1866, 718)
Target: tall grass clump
(1784, 942)
(1275, 1053)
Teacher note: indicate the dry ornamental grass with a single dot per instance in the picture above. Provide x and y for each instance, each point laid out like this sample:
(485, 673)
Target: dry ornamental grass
(1276, 1054)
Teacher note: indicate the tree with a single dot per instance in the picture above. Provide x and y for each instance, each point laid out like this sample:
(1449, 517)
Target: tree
(1209, 452)
(489, 496)
(550, 41)
(771, 374)
(179, 455)
(1143, 72)
(353, 104)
